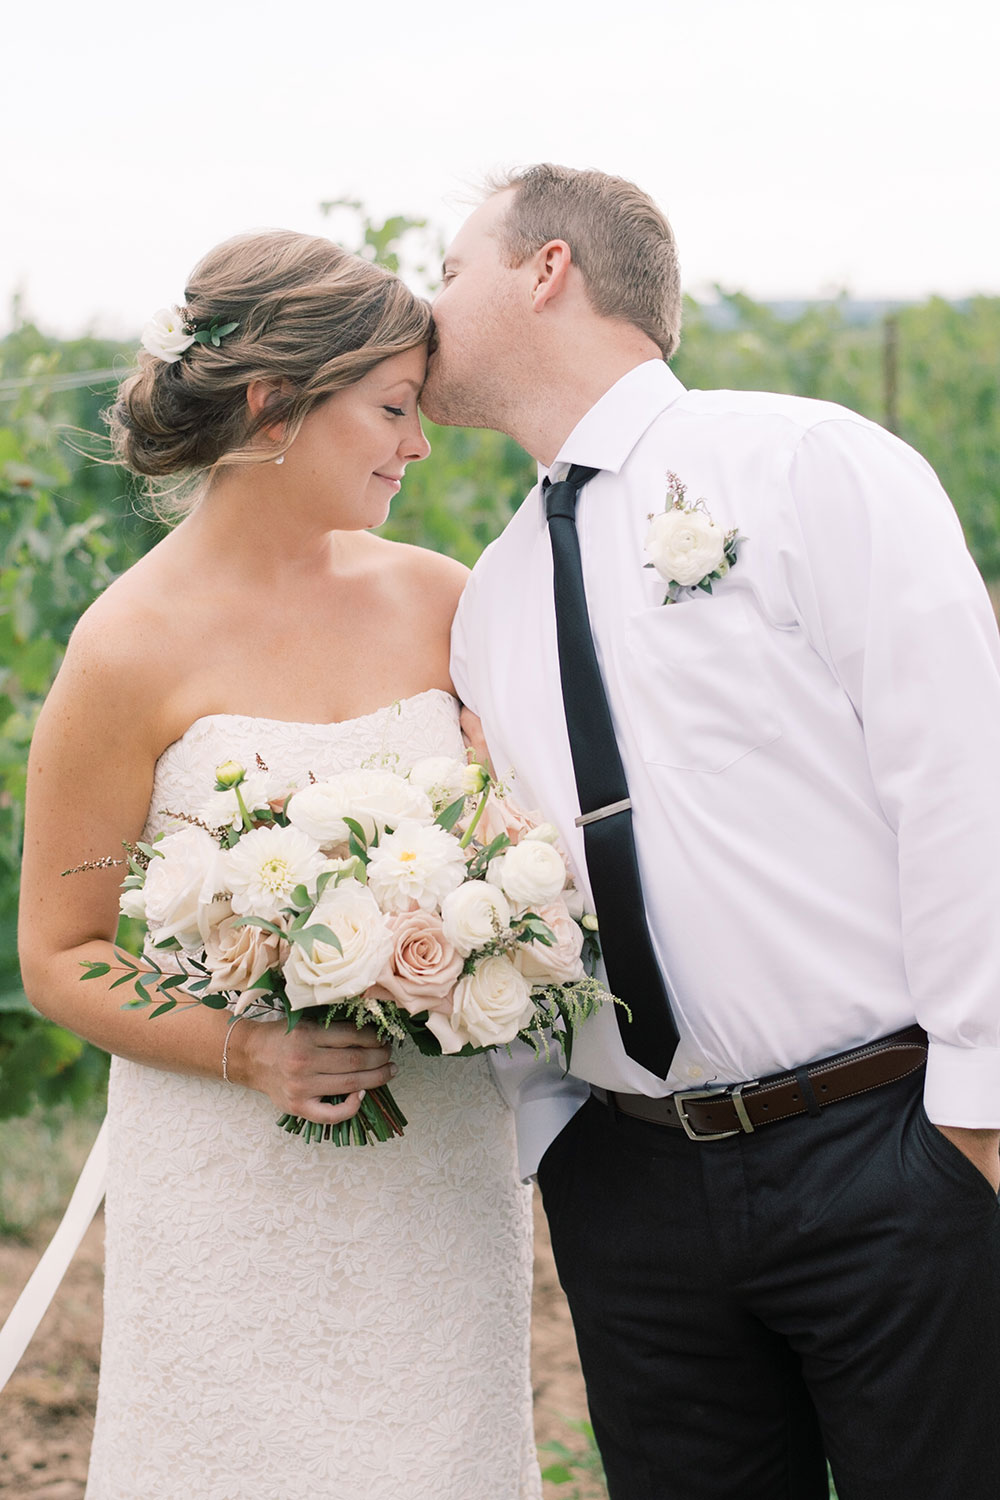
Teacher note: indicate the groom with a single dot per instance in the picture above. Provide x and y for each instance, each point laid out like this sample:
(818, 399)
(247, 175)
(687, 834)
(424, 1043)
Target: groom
(802, 763)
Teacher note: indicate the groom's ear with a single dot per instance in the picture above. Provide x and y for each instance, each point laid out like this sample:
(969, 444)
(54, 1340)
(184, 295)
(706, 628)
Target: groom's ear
(550, 268)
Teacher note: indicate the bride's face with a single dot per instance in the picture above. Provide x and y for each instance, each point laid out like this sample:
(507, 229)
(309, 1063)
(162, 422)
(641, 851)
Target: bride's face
(353, 449)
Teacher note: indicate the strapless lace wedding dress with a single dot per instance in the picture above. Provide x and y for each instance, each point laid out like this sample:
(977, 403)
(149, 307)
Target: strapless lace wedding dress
(292, 1322)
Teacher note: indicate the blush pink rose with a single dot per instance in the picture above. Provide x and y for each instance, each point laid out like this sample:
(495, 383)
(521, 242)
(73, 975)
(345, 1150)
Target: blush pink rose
(238, 957)
(501, 815)
(561, 963)
(424, 967)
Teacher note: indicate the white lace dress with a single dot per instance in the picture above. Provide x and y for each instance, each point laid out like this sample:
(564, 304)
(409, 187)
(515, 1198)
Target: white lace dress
(292, 1322)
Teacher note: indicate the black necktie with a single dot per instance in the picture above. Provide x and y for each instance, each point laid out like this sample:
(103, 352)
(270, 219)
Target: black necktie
(605, 811)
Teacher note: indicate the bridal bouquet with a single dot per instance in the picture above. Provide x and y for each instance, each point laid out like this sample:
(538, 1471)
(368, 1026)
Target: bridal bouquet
(424, 904)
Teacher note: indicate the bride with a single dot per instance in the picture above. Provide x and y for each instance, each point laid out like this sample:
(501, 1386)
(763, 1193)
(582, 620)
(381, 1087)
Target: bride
(283, 1321)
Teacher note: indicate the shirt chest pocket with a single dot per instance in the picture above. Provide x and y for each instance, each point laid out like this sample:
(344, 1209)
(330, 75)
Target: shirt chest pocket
(698, 683)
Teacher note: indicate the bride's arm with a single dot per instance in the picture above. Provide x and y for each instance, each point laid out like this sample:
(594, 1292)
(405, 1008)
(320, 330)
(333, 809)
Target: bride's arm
(90, 777)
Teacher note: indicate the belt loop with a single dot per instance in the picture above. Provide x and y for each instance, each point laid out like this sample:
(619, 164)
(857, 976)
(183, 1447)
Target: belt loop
(808, 1092)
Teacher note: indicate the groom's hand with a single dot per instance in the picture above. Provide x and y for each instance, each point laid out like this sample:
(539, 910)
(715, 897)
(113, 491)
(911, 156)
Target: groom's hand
(472, 730)
(982, 1147)
(299, 1069)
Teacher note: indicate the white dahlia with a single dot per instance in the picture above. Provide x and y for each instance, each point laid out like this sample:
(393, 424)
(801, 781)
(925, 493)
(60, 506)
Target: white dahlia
(263, 869)
(417, 865)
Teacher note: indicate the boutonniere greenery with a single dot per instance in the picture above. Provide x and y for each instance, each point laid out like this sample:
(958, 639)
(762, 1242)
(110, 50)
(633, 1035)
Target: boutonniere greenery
(685, 546)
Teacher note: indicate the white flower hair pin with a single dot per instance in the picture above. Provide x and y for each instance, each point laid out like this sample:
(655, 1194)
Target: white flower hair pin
(169, 334)
(685, 546)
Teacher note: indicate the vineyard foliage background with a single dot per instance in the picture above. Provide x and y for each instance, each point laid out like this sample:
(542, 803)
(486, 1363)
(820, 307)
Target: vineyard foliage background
(68, 524)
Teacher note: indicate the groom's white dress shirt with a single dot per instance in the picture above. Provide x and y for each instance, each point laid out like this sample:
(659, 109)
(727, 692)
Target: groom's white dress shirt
(812, 751)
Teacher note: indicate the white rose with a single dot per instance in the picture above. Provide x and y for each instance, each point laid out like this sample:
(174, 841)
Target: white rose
(375, 799)
(559, 962)
(263, 869)
(416, 865)
(531, 873)
(472, 915)
(132, 903)
(319, 974)
(181, 880)
(165, 335)
(684, 546)
(443, 779)
(492, 1004)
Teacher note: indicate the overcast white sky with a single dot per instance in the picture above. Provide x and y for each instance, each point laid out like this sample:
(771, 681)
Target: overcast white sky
(798, 146)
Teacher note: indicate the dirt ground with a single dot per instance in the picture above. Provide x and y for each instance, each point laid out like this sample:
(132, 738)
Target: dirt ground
(47, 1410)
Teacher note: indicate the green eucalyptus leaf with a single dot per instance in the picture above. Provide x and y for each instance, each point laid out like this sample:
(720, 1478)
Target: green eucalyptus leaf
(450, 816)
(359, 833)
(95, 970)
(259, 922)
(317, 933)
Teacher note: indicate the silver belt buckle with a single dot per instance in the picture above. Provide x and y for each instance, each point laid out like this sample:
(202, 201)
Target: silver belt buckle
(746, 1125)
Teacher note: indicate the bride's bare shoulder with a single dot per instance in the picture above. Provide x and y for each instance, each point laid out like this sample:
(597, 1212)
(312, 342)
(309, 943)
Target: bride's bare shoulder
(123, 655)
(431, 575)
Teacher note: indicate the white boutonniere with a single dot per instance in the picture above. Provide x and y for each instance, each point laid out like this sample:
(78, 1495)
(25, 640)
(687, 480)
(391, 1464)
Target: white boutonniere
(685, 546)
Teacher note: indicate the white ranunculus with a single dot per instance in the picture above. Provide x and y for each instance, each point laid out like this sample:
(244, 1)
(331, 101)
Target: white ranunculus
(263, 869)
(319, 974)
(545, 833)
(685, 546)
(492, 1004)
(182, 879)
(472, 915)
(418, 865)
(132, 903)
(442, 778)
(165, 335)
(532, 873)
(375, 799)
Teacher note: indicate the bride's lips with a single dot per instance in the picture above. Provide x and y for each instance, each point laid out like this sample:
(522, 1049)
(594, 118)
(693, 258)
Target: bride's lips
(394, 479)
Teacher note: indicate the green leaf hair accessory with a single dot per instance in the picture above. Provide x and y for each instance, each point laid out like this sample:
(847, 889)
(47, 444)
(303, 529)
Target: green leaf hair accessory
(169, 334)
(214, 333)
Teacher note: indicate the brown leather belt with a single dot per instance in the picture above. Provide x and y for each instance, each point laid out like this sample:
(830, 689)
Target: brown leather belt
(713, 1114)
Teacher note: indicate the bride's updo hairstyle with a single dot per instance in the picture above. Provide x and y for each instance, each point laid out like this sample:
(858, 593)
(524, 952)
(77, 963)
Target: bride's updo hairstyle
(307, 314)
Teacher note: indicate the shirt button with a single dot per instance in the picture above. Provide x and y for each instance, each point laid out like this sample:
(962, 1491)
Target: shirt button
(694, 1072)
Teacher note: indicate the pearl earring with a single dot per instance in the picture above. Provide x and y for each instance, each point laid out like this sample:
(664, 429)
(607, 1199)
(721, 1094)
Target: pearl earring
(280, 459)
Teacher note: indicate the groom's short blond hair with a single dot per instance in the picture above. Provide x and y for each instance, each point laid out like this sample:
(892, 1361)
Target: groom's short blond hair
(621, 242)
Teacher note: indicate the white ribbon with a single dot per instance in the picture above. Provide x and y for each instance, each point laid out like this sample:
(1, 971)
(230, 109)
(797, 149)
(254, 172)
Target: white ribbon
(29, 1309)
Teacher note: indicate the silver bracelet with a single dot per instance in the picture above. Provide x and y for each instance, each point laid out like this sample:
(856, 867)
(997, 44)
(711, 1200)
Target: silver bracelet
(225, 1047)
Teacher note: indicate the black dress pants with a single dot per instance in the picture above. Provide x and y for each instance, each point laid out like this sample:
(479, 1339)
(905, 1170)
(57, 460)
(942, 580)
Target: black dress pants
(745, 1308)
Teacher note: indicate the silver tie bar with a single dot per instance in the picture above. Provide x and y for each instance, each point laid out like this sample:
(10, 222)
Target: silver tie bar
(603, 812)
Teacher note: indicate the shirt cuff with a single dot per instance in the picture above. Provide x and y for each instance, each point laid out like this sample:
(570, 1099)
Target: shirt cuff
(962, 1087)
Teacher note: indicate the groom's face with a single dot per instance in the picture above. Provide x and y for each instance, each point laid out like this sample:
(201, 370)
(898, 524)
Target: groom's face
(476, 316)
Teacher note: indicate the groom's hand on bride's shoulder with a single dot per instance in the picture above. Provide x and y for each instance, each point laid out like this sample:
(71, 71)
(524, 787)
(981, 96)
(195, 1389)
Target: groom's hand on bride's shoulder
(298, 1070)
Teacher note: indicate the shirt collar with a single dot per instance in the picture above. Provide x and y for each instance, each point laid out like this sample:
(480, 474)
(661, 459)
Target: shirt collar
(606, 434)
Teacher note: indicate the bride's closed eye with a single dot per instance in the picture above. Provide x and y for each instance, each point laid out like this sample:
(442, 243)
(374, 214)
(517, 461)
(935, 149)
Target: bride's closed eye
(397, 411)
